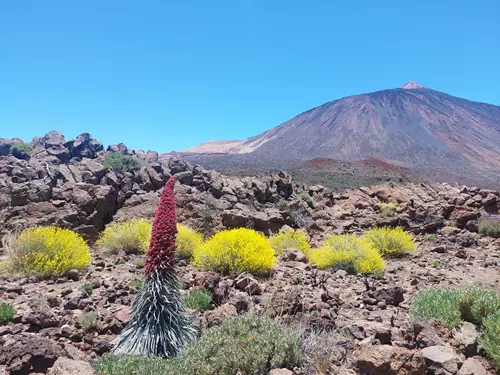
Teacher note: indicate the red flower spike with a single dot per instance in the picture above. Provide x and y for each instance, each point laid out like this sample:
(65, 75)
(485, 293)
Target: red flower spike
(161, 253)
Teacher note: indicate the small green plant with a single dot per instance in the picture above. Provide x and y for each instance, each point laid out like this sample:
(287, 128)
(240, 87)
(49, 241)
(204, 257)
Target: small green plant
(7, 312)
(436, 264)
(489, 226)
(306, 198)
(430, 237)
(288, 239)
(198, 300)
(282, 204)
(490, 338)
(387, 209)
(391, 241)
(441, 304)
(120, 163)
(88, 288)
(88, 322)
(136, 284)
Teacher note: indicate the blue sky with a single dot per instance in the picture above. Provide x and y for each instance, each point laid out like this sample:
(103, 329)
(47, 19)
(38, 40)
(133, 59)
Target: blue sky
(167, 75)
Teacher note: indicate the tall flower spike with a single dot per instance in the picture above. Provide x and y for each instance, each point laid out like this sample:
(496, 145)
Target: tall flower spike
(161, 253)
(159, 324)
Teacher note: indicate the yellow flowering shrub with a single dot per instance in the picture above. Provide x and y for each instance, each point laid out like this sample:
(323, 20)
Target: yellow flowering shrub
(236, 251)
(187, 241)
(288, 239)
(48, 251)
(130, 236)
(391, 241)
(347, 252)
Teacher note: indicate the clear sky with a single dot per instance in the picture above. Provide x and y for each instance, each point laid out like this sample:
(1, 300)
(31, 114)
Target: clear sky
(167, 75)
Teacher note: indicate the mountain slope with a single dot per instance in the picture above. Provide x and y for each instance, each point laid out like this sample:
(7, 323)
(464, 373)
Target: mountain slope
(430, 132)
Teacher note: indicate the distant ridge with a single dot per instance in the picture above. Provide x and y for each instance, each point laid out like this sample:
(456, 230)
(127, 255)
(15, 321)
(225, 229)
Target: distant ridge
(429, 132)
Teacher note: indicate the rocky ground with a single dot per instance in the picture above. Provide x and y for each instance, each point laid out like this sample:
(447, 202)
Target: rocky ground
(65, 183)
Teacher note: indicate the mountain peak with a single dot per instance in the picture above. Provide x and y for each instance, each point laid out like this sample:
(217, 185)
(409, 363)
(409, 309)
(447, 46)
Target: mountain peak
(412, 85)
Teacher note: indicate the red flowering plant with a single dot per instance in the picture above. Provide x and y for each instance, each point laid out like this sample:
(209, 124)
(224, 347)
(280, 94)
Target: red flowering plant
(159, 324)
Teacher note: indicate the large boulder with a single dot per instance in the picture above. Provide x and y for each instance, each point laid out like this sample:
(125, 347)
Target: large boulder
(389, 360)
(66, 366)
(26, 354)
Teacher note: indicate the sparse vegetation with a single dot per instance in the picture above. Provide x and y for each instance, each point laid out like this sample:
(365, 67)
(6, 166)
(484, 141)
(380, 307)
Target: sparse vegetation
(88, 288)
(290, 238)
(250, 344)
(7, 312)
(46, 251)
(306, 198)
(88, 321)
(429, 237)
(131, 236)
(187, 241)
(20, 150)
(236, 251)
(136, 283)
(391, 241)
(120, 163)
(489, 226)
(387, 209)
(347, 252)
(198, 300)
(436, 264)
(320, 349)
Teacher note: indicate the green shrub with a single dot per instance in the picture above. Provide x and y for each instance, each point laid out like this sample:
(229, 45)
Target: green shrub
(489, 226)
(490, 338)
(388, 209)
(288, 239)
(135, 365)
(47, 251)
(198, 300)
(347, 252)
(20, 150)
(131, 236)
(441, 304)
(120, 163)
(477, 303)
(430, 237)
(391, 241)
(236, 251)
(248, 345)
(187, 241)
(7, 312)
(473, 304)
(87, 321)
(306, 198)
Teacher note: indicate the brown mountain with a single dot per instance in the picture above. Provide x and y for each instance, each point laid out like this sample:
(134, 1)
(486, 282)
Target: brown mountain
(429, 132)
